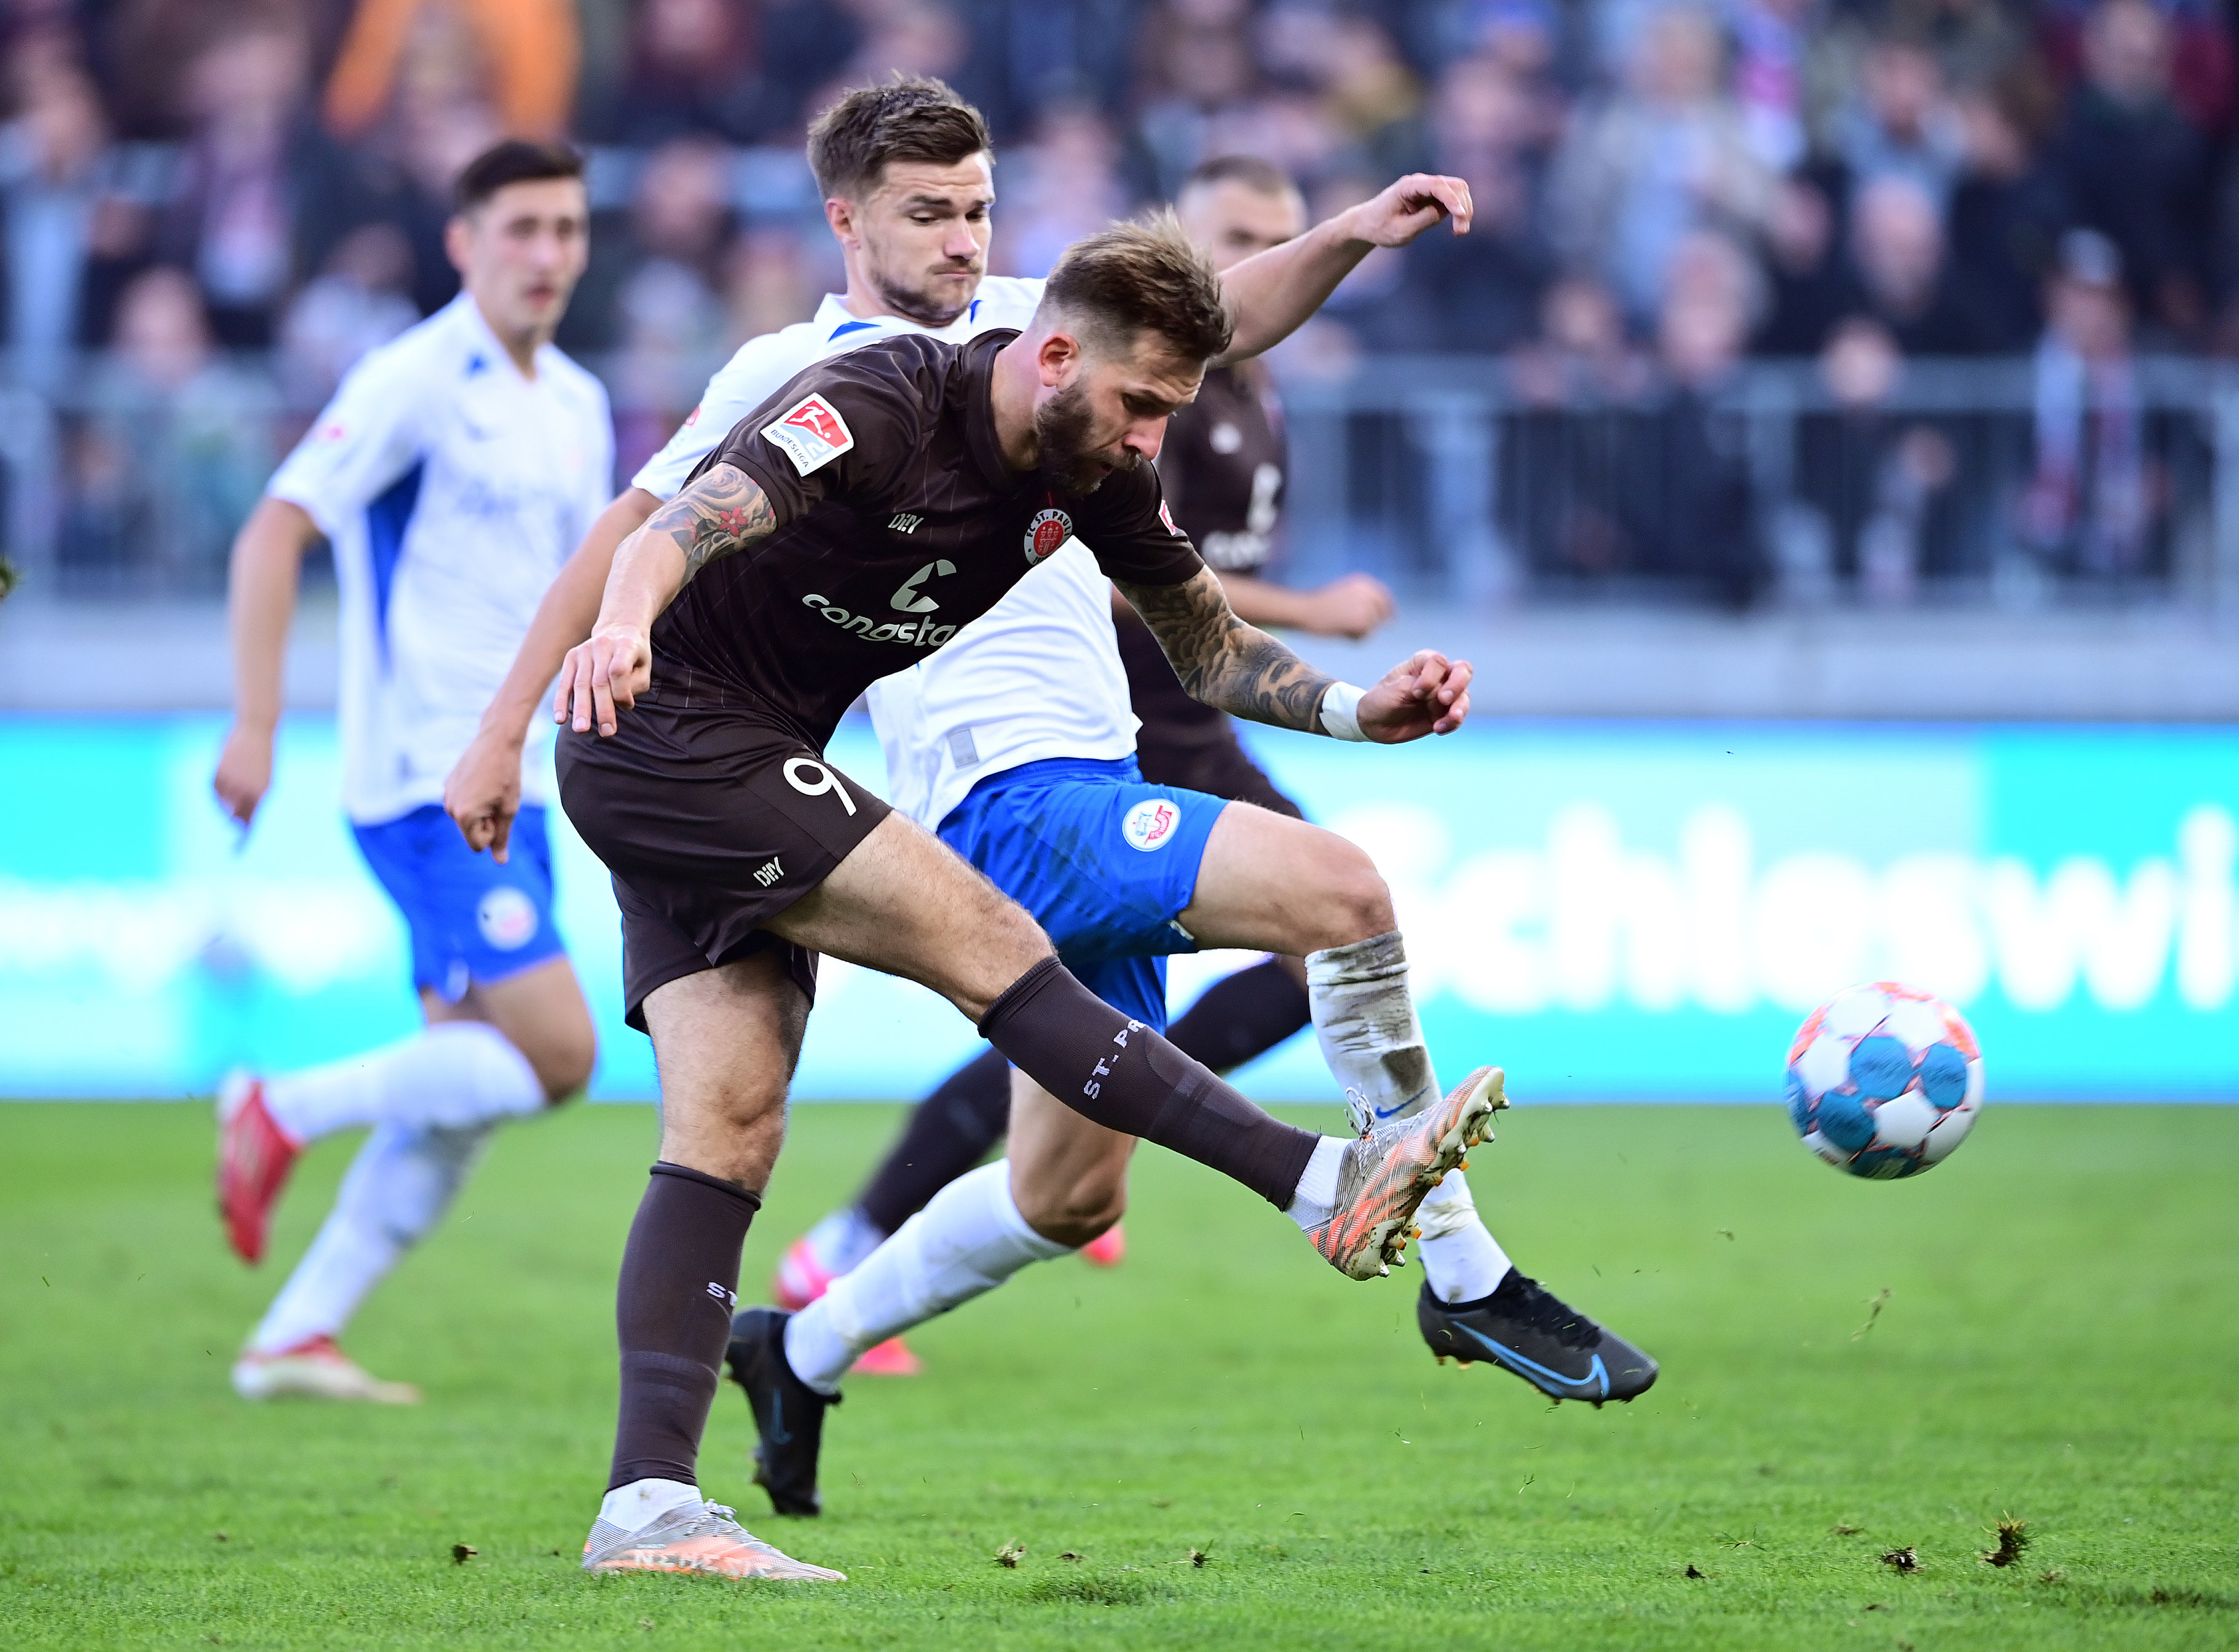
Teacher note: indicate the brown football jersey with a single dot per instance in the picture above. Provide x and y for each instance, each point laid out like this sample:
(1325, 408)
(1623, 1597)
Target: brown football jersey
(899, 522)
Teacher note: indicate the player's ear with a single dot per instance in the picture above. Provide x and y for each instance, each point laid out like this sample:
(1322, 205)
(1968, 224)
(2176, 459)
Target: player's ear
(1059, 357)
(458, 230)
(840, 213)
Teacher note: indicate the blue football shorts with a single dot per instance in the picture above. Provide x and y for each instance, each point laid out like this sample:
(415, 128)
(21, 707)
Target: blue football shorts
(1105, 861)
(471, 918)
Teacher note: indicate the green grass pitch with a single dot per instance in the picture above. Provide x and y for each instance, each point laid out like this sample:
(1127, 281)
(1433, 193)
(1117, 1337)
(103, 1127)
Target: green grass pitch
(2058, 1341)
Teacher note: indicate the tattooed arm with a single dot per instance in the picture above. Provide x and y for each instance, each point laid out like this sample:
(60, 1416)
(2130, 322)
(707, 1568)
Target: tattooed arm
(1242, 670)
(723, 511)
(1225, 662)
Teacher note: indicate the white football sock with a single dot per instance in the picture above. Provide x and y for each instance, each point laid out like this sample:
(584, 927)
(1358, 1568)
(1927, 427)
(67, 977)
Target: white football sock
(965, 1242)
(1317, 1195)
(1374, 1044)
(1461, 1260)
(399, 1185)
(1366, 1022)
(451, 1074)
(842, 1239)
(637, 1505)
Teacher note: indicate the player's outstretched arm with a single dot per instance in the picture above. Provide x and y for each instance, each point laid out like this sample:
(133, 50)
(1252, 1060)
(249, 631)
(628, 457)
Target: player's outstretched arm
(1272, 294)
(266, 570)
(1243, 671)
(482, 792)
(723, 511)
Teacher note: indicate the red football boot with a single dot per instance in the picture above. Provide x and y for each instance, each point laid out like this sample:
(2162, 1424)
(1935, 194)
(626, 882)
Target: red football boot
(801, 1278)
(1109, 1249)
(254, 1158)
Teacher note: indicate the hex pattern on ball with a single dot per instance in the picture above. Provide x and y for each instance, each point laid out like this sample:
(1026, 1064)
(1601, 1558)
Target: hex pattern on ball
(1884, 1081)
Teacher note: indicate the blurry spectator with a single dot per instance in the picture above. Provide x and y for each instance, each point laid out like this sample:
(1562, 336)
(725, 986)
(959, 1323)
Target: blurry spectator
(1809, 285)
(673, 322)
(1689, 507)
(1897, 245)
(1195, 61)
(1581, 354)
(1667, 157)
(2091, 506)
(1872, 487)
(1061, 185)
(2003, 218)
(2202, 80)
(1900, 124)
(690, 71)
(51, 153)
(1368, 98)
(905, 37)
(769, 284)
(230, 218)
(174, 450)
(357, 301)
(2134, 169)
(1484, 287)
(529, 48)
(1770, 48)
(1562, 452)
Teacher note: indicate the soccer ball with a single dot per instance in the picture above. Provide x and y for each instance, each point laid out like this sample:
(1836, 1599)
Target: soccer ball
(1884, 1080)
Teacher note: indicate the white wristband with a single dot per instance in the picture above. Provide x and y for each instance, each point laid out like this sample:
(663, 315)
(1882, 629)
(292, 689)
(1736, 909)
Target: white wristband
(1341, 712)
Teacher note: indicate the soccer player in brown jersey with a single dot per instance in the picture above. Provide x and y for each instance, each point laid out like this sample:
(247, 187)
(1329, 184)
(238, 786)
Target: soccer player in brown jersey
(883, 498)
(1222, 469)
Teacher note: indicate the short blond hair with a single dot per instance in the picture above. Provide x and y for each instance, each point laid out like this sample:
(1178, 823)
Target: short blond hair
(1142, 277)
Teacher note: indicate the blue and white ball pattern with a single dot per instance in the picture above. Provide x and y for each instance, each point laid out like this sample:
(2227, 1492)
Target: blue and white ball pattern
(1884, 1080)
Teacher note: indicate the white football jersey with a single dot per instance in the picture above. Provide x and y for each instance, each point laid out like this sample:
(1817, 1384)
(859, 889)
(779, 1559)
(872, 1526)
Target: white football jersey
(453, 489)
(1036, 676)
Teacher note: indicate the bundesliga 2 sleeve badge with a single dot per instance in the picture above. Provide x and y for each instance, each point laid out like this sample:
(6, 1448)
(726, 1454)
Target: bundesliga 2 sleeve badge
(811, 433)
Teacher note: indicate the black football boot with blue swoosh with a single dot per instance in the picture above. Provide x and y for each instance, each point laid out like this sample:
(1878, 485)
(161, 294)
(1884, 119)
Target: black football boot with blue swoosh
(1526, 1329)
(788, 1414)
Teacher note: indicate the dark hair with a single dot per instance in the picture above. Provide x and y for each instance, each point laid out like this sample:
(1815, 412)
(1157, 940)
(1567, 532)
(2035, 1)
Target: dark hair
(1263, 176)
(1139, 277)
(912, 118)
(515, 160)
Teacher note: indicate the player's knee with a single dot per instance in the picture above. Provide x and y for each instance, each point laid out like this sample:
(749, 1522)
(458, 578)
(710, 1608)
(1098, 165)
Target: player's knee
(565, 1070)
(1012, 943)
(1355, 901)
(1079, 1213)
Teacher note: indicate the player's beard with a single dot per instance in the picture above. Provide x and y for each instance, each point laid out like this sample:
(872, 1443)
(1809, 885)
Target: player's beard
(917, 304)
(1062, 429)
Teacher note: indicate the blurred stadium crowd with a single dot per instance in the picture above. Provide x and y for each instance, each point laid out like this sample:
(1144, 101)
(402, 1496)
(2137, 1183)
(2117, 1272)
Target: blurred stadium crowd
(213, 206)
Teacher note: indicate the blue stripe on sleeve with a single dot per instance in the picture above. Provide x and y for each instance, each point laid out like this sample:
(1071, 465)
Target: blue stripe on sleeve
(386, 520)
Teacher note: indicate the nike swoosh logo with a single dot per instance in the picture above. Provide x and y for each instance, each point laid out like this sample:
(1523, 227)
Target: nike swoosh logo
(779, 1436)
(1385, 1114)
(1517, 1362)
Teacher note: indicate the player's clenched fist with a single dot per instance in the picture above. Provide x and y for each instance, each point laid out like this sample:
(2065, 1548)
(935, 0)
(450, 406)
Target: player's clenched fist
(612, 669)
(1426, 694)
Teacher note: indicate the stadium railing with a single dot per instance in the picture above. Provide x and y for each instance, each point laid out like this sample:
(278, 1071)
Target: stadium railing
(1477, 483)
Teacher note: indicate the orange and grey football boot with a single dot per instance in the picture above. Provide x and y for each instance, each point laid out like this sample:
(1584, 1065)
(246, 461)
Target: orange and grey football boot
(1385, 1174)
(696, 1537)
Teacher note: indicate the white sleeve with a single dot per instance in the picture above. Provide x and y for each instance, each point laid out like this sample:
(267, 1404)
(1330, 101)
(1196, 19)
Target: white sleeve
(599, 475)
(366, 438)
(758, 371)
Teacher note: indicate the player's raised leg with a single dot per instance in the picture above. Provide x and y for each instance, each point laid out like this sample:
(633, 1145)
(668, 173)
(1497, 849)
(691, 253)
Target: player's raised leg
(725, 1040)
(882, 907)
(1474, 1305)
(1235, 1020)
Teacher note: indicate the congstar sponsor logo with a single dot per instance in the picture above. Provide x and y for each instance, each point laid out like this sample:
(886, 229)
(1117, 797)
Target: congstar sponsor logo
(917, 633)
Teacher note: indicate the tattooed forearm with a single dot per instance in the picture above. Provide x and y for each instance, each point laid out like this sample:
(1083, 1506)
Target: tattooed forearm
(1225, 662)
(721, 512)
